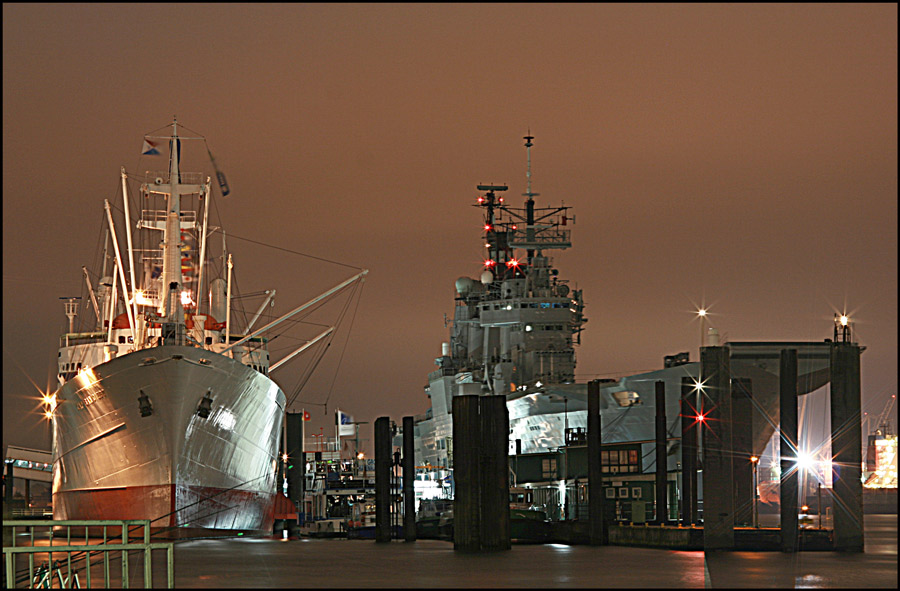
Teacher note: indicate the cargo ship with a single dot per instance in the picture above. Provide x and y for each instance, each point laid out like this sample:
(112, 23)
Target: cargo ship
(165, 410)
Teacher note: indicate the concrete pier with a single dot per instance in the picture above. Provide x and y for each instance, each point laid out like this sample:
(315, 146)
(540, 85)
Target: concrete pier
(466, 473)
(495, 527)
(788, 449)
(295, 480)
(742, 417)
(409, 477)
(481, 473)
(718, 495)
(846, 435)
(383, 479)
(688, 453)
(662, 497)
(595, 475)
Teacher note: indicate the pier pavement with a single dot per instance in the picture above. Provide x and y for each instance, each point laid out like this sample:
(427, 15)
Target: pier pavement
(341, 563)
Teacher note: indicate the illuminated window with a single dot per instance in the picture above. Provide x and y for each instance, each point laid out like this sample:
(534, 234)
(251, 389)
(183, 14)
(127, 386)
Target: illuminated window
(620, 461)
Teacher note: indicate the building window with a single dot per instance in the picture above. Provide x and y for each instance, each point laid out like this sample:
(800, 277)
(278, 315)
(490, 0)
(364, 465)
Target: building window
(548, 468)
(620, 461)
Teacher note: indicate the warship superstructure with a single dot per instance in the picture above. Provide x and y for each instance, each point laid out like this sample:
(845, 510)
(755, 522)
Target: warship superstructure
(165, 411)
(514, 332)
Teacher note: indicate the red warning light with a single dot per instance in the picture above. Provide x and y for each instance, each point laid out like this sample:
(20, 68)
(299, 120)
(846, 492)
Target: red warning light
(515, 227)
(501, 199)
(701, 418)
(512, 263)
(480, 199)
(487, 227)
(490, 263)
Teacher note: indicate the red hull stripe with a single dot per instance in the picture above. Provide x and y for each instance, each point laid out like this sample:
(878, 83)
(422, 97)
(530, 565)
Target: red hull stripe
(203, 507)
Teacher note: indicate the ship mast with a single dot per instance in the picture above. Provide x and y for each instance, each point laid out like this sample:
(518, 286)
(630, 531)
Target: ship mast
(529, 204)
(172, 279)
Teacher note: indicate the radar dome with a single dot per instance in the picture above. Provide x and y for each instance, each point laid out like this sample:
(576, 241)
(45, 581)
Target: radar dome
(487, 277)
(464, 285)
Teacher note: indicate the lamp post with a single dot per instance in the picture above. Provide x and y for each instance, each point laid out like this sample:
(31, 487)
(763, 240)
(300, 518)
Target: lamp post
(754, 462)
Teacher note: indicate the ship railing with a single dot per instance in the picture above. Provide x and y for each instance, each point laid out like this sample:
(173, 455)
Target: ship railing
(540, 237)
(45, 540)
(187, 178)
(148, 216)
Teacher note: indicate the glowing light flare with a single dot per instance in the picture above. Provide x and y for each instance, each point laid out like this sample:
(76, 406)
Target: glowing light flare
(844, 320)
(480, 199)
(186, 299)
(487, 227)
(284, 457)
(512, 263)
(360, 456)
(490, 263)
(754, 459)
(701, 312)
(804, 461)
(50, 401)
(142, 299)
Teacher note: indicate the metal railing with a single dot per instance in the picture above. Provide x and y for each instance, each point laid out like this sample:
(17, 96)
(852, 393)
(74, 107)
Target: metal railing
(77, 556)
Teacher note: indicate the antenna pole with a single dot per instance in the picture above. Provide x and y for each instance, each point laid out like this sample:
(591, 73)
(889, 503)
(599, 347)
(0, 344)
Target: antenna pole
(529, 204)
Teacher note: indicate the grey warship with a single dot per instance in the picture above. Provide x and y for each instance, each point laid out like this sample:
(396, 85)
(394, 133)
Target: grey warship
(514, 332)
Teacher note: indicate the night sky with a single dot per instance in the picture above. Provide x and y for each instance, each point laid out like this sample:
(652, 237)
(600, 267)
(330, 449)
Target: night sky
(739, 157)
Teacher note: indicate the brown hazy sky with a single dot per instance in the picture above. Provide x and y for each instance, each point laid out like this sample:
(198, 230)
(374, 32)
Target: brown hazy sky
(741, 156)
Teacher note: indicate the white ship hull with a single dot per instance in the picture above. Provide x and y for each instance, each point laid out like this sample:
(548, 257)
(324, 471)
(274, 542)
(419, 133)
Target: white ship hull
(173, 466)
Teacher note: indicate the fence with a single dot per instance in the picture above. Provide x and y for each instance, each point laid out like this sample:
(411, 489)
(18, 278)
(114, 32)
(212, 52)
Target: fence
(77, 557)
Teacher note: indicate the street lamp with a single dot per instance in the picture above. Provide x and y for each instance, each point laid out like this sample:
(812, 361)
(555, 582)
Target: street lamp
(754, 461)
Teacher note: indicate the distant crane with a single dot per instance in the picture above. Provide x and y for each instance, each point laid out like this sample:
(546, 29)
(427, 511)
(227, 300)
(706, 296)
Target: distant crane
(883, 423)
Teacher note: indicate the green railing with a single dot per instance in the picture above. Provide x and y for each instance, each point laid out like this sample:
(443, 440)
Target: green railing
(77, 556)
